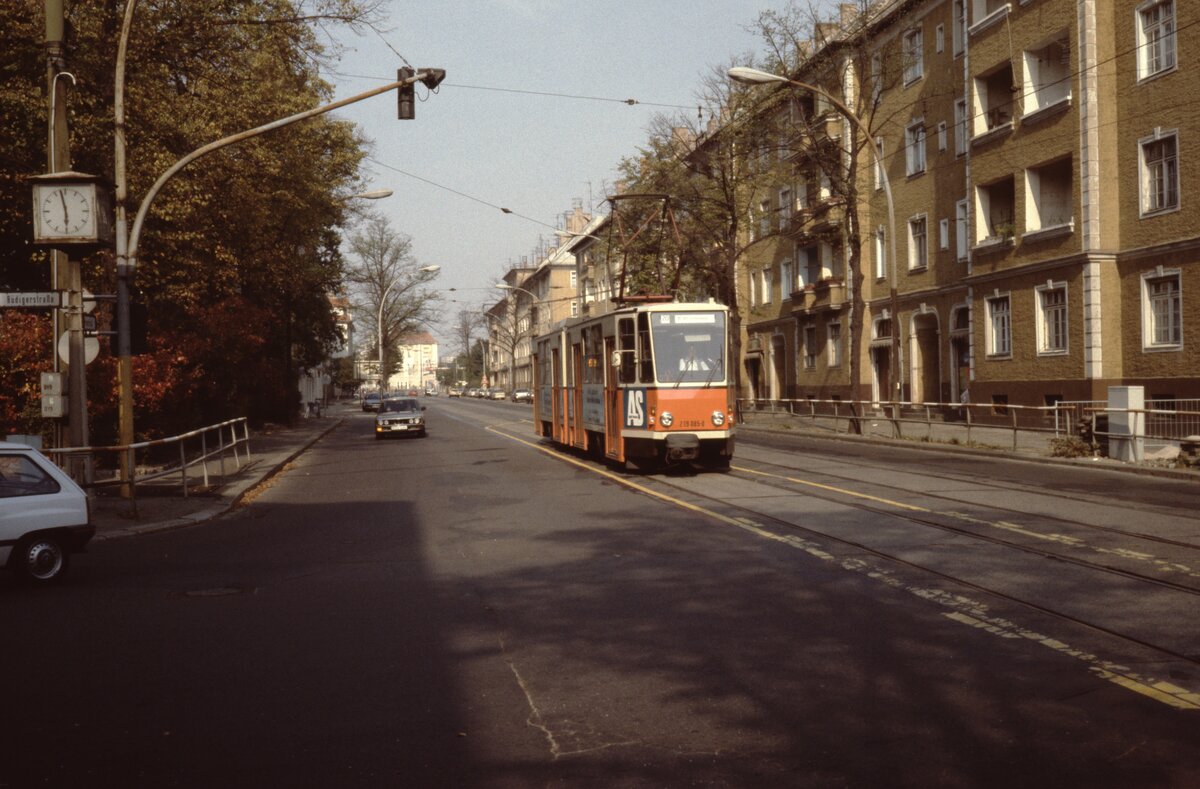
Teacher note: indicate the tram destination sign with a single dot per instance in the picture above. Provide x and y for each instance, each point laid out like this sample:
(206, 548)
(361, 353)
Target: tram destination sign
(51, 298)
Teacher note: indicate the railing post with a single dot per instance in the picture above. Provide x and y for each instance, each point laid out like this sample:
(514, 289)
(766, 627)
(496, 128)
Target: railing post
(183, 468)
(204, 455)
(221, 453)
(928, 424)
(246, 432)
(132, 481)
(1014, 426)
(967, 408)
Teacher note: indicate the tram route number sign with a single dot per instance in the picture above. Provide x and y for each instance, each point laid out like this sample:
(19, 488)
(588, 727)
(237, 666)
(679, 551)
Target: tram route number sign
(46, 299)
(635, 408)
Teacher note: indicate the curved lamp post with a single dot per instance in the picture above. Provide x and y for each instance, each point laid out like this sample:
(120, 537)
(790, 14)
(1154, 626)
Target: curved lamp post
(383, 303)
(753, 76)
(512, 350)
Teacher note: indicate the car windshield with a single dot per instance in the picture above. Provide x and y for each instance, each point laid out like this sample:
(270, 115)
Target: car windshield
(401, 405)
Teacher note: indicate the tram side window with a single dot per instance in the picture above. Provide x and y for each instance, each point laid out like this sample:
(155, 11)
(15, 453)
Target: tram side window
(593, 355)
(625, 340)
(645, 354)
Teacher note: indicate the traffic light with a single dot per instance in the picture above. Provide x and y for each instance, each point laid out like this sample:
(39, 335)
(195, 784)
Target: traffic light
(407, 95)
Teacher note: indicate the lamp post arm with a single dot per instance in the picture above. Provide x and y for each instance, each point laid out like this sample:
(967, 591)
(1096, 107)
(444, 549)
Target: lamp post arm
(245, 135)
(891, 209)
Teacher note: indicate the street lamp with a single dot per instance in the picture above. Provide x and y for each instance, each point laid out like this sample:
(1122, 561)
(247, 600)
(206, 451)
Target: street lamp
(512, 350)
(753, 76)
(379, 318)
(374, 194)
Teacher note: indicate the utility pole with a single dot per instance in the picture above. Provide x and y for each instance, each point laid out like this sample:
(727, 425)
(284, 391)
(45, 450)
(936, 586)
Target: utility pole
(65, 272)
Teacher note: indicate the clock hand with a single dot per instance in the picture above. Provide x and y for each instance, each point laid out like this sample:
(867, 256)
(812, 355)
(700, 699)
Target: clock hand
(62, 195)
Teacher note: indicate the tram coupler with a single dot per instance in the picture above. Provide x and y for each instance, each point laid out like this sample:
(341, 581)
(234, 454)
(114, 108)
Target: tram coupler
(682, 446)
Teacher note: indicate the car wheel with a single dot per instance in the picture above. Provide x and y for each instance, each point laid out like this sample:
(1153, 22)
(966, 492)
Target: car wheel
(41, 560)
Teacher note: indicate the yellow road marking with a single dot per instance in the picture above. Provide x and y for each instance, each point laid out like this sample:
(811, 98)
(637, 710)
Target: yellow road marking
(833, 489)
(1163, 692)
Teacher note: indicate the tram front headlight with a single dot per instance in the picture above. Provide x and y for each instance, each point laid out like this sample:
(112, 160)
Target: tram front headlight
(718, 418)
(666, 419)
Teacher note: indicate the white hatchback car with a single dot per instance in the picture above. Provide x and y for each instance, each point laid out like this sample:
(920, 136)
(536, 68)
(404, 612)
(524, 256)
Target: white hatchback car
(44, 515)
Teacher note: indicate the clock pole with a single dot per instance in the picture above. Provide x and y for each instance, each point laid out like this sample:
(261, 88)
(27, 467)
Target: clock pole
(66, 272)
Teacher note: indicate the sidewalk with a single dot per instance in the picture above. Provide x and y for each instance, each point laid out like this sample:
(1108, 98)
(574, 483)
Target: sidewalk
(994, 441)
(161, 504)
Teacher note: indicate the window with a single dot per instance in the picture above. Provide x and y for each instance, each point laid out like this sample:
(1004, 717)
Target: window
(994, 211)
(787, 280)
(767, 289)
(876, 77)
(961, 229)
(942, 136)
(574, 309)
(959, 26)
(1052, 318)
(939, 38)
(20, 476)
(785, 205)
(1156, 38)
(879, 173)
(999, 341)
(574, 278)
(914, 142)
(835, 344)
(1160, 172)
(1049, 196)
(918, 249)
(753, 290)
(960, 127)
(1162, 299)
(810, 347)
(993, 108)
(1047, 75)
(914, 57)
(764, 219)
(880, 254)
(944, 234)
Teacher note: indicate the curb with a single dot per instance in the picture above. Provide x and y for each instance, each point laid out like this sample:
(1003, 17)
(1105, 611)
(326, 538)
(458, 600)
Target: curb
(216, 511)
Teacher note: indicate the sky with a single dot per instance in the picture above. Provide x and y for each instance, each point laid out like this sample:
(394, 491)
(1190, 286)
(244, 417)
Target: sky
(476, 145)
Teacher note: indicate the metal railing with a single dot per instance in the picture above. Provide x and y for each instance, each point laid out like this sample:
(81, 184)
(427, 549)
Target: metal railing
(1162, 422)
(920, 421)
(196, 448)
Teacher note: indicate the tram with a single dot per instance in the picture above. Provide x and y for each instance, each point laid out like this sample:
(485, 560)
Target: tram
(645, 386)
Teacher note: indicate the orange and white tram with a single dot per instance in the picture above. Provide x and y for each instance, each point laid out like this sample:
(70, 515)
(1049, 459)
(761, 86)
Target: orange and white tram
(646, 385)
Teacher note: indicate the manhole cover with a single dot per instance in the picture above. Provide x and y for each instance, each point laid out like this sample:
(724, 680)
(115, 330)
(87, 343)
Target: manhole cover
(219, 591)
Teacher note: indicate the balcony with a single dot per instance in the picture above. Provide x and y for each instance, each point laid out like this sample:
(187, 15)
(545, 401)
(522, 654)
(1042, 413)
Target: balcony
(829, 293)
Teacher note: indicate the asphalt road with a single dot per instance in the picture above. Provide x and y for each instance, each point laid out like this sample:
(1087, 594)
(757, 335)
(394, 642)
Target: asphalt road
(470, 610)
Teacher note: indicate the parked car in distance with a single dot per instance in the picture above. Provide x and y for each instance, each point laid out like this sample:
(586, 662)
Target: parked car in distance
(522, 396)
(473, 391)
(412, 393)
(370, 401)
(44, 515)
(455, 392)
(497, 394)
(400, 417)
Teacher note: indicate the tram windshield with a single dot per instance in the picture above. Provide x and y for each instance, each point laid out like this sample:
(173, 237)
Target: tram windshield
(689, 347)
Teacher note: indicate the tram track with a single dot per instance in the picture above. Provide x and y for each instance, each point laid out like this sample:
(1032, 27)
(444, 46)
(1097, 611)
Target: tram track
(1127, 639)
(769, 521)
(1054, 537)
(996, 488)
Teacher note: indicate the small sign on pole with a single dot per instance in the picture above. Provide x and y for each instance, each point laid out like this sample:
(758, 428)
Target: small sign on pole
(51, 298)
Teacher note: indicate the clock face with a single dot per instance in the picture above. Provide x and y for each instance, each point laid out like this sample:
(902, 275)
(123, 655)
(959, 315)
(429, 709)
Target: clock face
(66, 211)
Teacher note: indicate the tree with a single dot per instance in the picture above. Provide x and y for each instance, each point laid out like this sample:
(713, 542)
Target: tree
(249, 240)
(388, 285)
(466, 324)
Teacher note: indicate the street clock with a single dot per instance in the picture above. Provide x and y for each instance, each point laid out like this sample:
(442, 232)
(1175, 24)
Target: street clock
(71, 210)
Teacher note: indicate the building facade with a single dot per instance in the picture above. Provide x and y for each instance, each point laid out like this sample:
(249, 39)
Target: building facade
(1044, 246)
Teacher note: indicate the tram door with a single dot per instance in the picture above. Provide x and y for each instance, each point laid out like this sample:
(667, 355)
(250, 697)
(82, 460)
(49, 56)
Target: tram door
(576, 404)
(613, 408)
(556, 395)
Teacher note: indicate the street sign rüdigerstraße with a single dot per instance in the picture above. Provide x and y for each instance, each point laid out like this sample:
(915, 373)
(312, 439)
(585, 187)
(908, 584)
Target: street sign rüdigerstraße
(52, 298)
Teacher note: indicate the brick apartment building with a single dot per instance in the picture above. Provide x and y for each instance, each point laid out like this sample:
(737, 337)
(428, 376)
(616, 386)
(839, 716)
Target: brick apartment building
(1037, 153)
